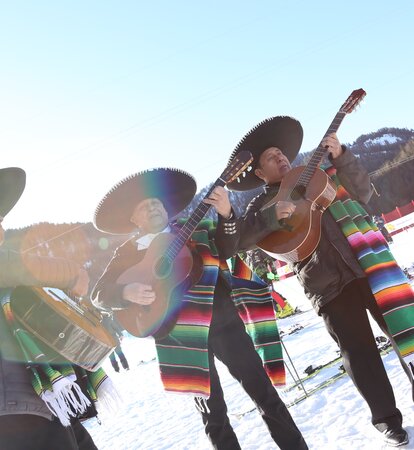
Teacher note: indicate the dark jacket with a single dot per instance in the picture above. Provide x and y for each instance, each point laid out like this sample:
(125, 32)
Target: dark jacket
(17, 395)
(332, 265)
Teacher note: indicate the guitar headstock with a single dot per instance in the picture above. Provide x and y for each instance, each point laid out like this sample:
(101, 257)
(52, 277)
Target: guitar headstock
(236, 166)
(353, 101)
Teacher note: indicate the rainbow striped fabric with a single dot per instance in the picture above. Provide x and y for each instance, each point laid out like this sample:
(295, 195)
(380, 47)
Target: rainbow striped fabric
(183, 354)
(391, 289)
(57, 384)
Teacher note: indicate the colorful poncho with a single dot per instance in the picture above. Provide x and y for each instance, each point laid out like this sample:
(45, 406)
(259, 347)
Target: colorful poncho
(391, 289)
(183, 354)
(56, 384)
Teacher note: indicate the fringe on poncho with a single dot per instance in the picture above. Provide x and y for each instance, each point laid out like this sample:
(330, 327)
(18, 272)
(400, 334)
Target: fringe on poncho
(56, 384)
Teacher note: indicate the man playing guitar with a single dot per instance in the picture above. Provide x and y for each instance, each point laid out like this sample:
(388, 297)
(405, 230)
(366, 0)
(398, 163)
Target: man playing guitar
(331, 276)
(207, 323)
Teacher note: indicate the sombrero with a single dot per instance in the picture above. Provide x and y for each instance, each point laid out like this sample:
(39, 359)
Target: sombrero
(283, 132)
(173, 187)
(12, 183)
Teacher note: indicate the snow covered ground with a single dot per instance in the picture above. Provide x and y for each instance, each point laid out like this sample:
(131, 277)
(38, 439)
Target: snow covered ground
(332, 418)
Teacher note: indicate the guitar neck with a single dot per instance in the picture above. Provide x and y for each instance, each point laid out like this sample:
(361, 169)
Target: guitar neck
(187, 230)
(320, 151)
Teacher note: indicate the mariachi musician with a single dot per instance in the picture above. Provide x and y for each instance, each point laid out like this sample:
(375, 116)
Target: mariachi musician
(25, 420)
(209, 323)
(333, 275)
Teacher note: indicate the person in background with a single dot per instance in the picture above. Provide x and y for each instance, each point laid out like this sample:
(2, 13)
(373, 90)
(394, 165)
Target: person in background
(115, 328)
(380, 223)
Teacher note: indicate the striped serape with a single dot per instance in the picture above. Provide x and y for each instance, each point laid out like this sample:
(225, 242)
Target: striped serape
(183, 354)
(391, 289)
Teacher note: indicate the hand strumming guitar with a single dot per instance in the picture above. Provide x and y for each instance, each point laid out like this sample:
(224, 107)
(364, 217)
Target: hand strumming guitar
(284, 210)
(139, 293)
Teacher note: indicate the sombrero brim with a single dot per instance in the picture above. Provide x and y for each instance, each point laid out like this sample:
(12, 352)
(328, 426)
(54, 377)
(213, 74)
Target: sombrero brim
(173, 187)
(12, 184)
(283, 132)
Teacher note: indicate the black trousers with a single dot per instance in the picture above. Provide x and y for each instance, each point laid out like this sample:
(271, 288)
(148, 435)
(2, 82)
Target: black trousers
(29, 432)
(230, 343)
(346, 319)
(118, 351)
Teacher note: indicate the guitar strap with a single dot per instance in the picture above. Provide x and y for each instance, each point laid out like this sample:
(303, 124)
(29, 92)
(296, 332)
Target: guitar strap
(390, 286)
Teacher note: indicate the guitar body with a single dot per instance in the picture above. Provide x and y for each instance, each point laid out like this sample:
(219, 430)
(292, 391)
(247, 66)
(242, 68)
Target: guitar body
(302, 231)
(165, 278)
(68, 330)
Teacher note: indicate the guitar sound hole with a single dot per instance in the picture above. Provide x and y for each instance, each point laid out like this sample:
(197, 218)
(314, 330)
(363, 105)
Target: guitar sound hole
(298, 192)
(163, 267)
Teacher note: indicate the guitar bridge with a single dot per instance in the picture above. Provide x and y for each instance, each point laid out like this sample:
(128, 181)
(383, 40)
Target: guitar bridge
(320, 208)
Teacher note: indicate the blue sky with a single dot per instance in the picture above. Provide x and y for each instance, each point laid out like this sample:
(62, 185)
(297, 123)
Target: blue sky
(92, 91)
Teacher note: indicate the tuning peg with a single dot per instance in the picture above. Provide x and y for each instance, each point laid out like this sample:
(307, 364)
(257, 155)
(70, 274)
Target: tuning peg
(249, 168)
(238, 179)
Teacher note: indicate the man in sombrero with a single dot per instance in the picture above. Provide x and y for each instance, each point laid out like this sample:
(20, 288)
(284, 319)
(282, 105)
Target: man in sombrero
(350, 272)
(26, 420)
(214, 312)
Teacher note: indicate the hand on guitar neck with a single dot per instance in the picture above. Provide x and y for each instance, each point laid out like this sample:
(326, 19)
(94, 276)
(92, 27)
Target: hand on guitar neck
(332, 145)
(220, 201)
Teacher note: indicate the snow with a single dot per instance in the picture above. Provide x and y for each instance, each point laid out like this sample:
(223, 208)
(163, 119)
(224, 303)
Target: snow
(333, 418)
(383, 140)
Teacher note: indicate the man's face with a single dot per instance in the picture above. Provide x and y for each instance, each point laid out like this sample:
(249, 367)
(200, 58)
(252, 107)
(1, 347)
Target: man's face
(150, 216)
(273, 165)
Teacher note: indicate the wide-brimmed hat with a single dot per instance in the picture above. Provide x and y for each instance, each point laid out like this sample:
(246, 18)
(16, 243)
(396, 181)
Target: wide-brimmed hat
(12, 183)
(173, 187)
(283, 132)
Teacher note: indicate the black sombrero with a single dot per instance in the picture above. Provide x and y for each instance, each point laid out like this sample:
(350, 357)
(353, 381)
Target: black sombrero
(175, 188)
(12, 183)
(282, 132)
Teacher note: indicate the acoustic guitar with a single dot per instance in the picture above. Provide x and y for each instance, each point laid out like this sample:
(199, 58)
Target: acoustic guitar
(68, 329)
(167, 267)
(312, 191)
